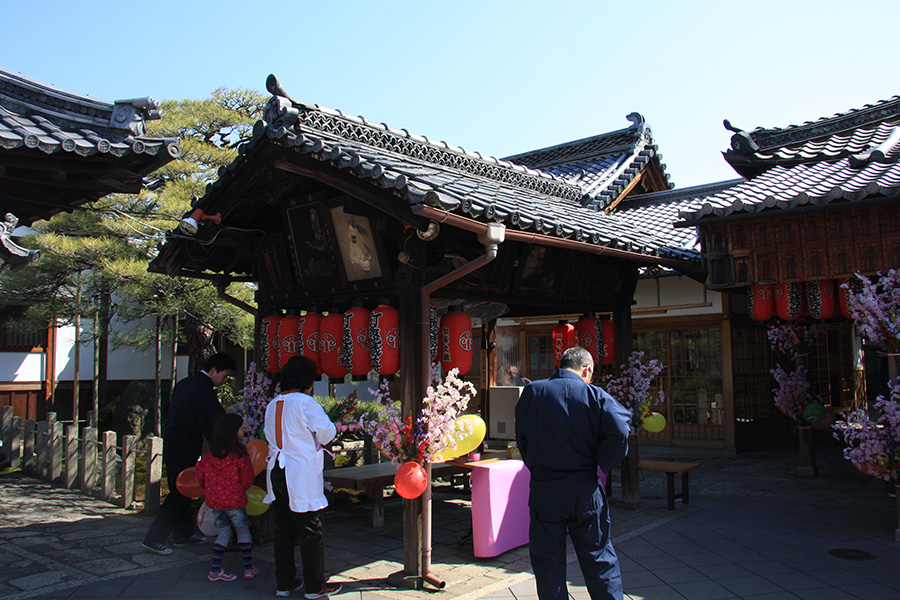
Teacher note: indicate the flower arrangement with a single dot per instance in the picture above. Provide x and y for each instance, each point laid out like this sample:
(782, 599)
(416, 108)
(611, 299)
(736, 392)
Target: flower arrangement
(792, 393)
(255, 395)
(632, 387)
(875, 307)
(790, 339)
(343, 413)
(873, 445)
(435, 430)
(873, 441)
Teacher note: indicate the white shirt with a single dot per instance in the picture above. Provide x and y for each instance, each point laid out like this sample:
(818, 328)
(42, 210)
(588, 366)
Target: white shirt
(305, 428)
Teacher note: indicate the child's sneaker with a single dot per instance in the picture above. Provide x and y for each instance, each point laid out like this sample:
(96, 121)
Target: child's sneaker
(220, 575)
(328, 590)
(251, 573)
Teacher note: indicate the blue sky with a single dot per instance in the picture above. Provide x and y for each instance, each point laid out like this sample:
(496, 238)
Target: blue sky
(499, 77)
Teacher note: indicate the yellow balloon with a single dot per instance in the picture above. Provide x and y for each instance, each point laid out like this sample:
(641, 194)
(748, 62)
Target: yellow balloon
(654, 422)
(255, 504)
(466, 442)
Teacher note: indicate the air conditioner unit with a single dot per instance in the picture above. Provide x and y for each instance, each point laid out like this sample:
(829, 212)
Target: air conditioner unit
(502, 411)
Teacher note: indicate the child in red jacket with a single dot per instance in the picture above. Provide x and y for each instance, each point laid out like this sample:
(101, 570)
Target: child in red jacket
(226, 472)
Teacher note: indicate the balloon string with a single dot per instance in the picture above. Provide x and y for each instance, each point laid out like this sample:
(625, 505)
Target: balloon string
(326, 450)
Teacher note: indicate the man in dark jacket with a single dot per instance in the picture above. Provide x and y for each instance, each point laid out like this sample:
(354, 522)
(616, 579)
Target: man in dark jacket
(193, 411)
(565, 429)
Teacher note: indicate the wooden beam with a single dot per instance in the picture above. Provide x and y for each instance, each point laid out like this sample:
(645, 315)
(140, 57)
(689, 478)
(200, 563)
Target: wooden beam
(293, 161)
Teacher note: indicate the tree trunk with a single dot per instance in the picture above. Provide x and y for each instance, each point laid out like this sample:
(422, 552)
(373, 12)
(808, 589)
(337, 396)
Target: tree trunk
(631, 473)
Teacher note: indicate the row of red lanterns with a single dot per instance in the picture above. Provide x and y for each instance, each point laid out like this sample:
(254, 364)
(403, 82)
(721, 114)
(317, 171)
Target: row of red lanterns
(357, 341)
(597, 336)
(820, 299)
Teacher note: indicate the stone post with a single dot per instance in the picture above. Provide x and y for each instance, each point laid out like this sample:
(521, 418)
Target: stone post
(29, 434)
(5, 427)
(71, 457)
(54, 469)
(43, 449)
(128, 447)
(154, 475)
(88, 470)
(108, 465)
(14, 442)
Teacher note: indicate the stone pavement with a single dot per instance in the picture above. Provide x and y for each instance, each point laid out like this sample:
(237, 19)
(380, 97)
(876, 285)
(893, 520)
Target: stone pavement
(754, 529)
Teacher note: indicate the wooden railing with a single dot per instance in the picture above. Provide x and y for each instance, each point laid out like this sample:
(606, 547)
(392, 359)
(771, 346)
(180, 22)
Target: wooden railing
(74, 457)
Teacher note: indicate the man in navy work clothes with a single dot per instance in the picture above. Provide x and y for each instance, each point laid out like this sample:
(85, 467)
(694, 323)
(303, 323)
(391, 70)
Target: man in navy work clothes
(193, 411)
(565, 429)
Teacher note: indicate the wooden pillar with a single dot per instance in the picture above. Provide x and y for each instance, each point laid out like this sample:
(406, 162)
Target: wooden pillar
(412, 390)
(631, 493)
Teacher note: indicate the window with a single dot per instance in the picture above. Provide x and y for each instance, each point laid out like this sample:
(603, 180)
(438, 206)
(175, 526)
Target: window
(12, 340)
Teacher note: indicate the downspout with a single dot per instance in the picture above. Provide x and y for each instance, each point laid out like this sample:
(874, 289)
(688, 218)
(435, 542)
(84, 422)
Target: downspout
(490, 238)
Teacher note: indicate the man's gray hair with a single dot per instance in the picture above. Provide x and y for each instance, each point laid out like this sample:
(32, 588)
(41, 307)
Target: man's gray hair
(575, 358)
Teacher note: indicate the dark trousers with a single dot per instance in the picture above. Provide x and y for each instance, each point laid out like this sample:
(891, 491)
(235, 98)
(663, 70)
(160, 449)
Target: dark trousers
(175, 513)
(584, 513)
(290, 525)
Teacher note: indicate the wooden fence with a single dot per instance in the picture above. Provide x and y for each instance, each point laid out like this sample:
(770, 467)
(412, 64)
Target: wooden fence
(74, 457)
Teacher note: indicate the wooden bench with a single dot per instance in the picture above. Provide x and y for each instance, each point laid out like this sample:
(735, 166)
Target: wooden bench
(671, 469)
(375, 477)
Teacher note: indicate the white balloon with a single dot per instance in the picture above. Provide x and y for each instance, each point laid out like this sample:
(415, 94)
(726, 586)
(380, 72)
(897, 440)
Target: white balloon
(206, 521)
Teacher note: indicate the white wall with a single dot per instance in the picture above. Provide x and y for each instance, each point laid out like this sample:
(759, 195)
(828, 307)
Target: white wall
(653, 296)
(22, 366)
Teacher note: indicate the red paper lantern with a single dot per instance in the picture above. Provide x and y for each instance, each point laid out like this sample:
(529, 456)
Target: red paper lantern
(355, 344)
(761, 299)
(587, 334)
(308, 336)
(384, 339)
(331, 333)
(789, 301)
(268, 343)
(843, 297)
(607, 345)
(820, 298)
(563, 339)
(288, 338)
(456, 341)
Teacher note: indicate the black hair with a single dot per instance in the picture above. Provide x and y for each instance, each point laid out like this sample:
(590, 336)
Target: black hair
(224, 436)
(220, 362)
(298, 374)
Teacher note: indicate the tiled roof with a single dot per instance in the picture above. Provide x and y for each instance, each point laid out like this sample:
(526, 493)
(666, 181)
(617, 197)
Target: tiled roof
(855, 133)
(436, 174)
(38, 120)
(846, 158)
(655, 213)
(603, 165)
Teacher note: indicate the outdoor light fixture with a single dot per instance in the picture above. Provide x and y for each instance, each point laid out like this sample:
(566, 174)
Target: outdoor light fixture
(189, 225)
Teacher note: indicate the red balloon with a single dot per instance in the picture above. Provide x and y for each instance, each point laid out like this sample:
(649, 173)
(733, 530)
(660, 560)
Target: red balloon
(187, 484)
(258, 451)
(410, 480)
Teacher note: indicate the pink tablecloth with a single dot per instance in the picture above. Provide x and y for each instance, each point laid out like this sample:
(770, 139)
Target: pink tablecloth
(499, 507)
